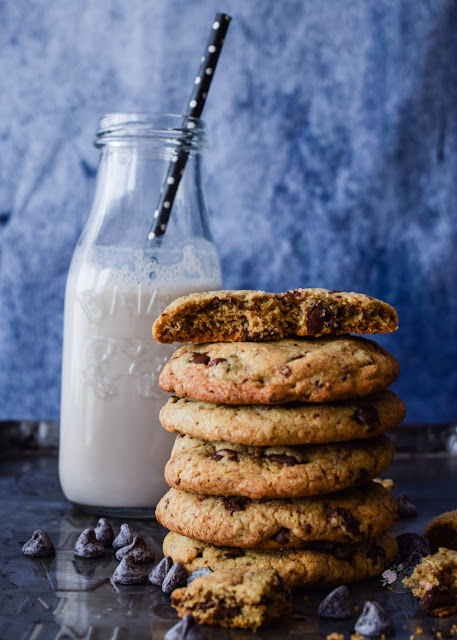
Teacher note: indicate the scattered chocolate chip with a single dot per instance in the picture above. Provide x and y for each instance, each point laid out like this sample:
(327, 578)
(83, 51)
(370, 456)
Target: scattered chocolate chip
(410, 564)
(200, 358)
(349, 522)
(281, 537)
(233, 504)
(198, 573)
(157, 575)
(125, 537)
(336, 605)
(285, 371)
(367, 416)
(374, 621)
(216, 361)
(185, 629)
(87, 545)
(376, 553)
(39, 546)
(405, 508)
(437, 597)
(137, 549)
(319, 316)
(104, 532)
(409, 543)
(175, 578)
(128, 572)
(234, 553)
(224, 453)
(284, 459)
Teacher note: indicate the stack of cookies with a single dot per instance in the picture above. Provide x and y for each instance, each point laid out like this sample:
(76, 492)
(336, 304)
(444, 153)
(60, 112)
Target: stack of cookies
(280, 416)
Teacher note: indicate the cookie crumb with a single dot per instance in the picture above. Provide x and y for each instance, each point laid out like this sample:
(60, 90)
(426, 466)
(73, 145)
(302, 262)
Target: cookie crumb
(335, 636)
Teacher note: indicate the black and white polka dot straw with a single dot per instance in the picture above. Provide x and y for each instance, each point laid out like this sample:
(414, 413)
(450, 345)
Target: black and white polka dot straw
(195, 107)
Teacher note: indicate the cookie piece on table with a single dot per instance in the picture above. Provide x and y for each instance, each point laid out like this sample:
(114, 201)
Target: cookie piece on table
(442, 531)
(306, 369)
(297, 567)
(235, 316)
(434, 582)
(347, 517)
(290, 424)
(223, 469)
(238, 597)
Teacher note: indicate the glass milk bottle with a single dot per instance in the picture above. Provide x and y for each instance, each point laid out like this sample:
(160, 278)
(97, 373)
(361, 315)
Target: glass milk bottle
(112, 447)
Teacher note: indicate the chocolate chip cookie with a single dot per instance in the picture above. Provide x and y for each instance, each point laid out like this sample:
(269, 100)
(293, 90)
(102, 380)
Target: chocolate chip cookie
(222, 469)
(297, 567)
(290, 424)
(434, 582)
(442, 531)
(235, 316)
(306, 369)
(237, 597)
(350, 516)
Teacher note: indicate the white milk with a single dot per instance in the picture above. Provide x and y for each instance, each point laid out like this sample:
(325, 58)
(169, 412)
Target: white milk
(112, 447)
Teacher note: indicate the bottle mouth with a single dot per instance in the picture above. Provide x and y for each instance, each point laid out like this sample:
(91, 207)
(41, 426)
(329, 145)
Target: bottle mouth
(170, 129)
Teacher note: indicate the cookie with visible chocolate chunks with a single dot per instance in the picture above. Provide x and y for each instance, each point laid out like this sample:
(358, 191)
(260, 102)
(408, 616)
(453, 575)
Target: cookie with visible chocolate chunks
(434, 582)
(235, 316)
(441, 531)
(304, 369)
(297, 567)
(350, 516)
(290, 424)
(222, 469)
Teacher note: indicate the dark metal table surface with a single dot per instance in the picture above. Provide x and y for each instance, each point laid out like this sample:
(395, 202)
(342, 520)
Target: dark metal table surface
(65, 597)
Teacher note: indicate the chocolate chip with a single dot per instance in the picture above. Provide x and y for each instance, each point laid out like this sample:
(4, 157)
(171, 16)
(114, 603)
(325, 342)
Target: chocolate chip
(157, 575)
(410, 564)
(125, 537)
(281, 537)
(437, 597)
(39, 546)
(233, 504)
(284, 459)
(234, 553)
(223, 612)
(175, 578)
(216, 361)
(409, 543)
(367, 416)
(376, 553)
(363, 476)
(319, 316)
(104, 532)
(200, 358)
(374, 621)
(308, 528)
(137, 549)
(405, 508)
(185, 629)
(224, 453)
(87, 545)
(215, 303)
(285, 371)
(128, 572)
(349, 522)
(336, 605)
(198, 573)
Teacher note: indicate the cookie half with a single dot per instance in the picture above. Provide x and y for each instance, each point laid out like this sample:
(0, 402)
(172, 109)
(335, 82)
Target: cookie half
(297, 567)
(350, 516)
(307, 369)
(222, 469)
(234, 316)
(290, 424)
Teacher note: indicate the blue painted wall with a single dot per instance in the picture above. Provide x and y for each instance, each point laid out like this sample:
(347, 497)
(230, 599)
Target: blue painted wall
(333, 162)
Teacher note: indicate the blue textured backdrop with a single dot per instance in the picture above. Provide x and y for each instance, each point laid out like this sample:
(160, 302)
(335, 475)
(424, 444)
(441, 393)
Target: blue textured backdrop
(333, 130)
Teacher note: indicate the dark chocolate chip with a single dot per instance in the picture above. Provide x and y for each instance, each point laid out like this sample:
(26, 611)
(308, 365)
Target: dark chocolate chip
(234, 553)
(336, 605)
(319, 316)
(405, 508)
(224, 453)
(175, 578)
(198, 573)
(284, 459)
(281, 537)
(185, 629)
(233, 504)
(437, 597)
(200, 358)
(157, 575)
(411, 542)
(367, 416)
(285, 371)
(374, 621)
(125, 537)
(104, 532)
(376, 553)
(87, 545)
(128, 572)
(137, 549)
(410, 564)
(215, 303)
(216, 361)
(39, 546)
(349, 522)
(224, 612)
